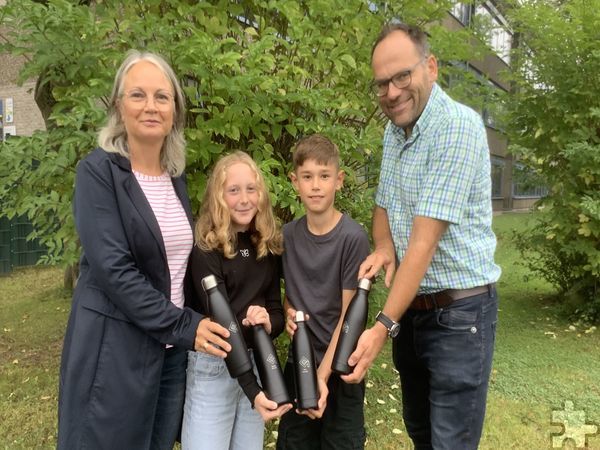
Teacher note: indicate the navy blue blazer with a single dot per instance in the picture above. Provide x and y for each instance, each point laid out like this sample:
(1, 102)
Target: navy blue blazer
(121, 316)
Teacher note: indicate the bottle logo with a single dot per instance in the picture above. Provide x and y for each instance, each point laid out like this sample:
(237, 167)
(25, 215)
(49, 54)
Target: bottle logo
(233, 327)
(345, 327)
(304, 363)
(272, 361)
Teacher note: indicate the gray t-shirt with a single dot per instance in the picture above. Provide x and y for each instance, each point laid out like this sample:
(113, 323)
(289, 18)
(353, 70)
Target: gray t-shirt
(317, 268)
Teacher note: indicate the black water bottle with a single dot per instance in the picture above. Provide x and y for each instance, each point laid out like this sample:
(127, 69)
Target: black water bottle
(237, 360)
(305, 372)
(353, 325)
(267, 363)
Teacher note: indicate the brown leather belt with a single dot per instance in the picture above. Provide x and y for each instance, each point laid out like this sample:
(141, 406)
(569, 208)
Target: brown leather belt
(437, 300)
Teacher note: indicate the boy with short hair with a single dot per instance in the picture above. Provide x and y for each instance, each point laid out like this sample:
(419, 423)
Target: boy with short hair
(323, 251)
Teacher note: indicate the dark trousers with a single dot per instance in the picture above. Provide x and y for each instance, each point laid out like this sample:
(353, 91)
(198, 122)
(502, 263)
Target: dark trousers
(341, 427)
(444, 358)
(169, 409)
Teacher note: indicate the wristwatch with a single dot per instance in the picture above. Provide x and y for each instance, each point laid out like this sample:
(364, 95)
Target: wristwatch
(392, 327)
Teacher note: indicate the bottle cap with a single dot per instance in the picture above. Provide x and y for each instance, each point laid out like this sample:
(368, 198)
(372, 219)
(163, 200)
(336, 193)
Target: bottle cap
(299, 316)
(364, 283)
(209, 282)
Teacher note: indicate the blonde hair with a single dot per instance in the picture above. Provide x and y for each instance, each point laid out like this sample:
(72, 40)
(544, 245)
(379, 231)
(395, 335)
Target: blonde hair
(214, 230)
(113, 137)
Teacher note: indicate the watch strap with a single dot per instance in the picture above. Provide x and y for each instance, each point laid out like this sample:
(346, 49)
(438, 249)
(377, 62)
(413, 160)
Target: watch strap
(386, 321)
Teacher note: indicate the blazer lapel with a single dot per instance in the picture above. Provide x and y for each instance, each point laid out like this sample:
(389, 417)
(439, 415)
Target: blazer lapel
(140, 202)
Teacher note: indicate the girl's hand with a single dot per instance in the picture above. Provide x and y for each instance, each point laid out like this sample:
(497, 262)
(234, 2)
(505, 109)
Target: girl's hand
(268, 409)
(209, 336)
(257, 315)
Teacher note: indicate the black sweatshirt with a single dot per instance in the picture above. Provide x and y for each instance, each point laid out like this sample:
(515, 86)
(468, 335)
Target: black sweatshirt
(245, 281)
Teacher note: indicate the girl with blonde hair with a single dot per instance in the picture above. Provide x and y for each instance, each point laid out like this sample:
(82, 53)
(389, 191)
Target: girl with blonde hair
(239, 242)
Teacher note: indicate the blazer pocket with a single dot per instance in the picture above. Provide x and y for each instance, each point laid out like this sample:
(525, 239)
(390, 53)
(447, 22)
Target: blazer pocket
(96, 300)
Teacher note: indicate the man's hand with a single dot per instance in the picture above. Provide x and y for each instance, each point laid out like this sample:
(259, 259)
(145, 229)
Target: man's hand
(268, 409)
(381, 257)
(210, 336)
(369, 345)
(384, 254)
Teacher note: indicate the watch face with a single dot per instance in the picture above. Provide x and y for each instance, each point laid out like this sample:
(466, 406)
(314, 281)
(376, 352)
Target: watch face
(393, 332)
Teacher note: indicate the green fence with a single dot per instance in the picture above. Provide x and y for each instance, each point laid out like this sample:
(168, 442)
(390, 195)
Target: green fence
(15, 249)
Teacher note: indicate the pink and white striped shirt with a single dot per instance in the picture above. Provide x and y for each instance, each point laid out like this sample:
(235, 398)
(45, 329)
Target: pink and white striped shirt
(174, 226)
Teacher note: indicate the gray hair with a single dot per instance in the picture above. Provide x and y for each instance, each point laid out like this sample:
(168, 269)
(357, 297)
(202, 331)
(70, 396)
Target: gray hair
(113, 136)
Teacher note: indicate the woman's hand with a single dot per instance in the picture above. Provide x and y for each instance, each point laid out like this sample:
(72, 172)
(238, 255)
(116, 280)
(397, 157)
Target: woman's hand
(210, 338)
(257, 315)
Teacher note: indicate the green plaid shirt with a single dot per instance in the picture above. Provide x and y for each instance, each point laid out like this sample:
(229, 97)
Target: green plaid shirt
(442, 171)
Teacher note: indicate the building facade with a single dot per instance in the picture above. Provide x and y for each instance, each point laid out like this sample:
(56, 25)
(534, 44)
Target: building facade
(19, 114)
(509, 192)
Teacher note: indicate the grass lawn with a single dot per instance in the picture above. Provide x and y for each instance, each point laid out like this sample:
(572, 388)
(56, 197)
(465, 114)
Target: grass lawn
(541, 361)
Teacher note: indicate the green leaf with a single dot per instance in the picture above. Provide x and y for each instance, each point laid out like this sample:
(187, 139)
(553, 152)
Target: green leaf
(348, 59)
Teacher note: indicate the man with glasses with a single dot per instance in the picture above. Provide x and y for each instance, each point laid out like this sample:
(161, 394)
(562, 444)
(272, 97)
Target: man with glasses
(433, 215)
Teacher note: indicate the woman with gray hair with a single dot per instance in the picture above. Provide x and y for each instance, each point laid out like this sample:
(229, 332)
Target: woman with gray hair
(122, 375)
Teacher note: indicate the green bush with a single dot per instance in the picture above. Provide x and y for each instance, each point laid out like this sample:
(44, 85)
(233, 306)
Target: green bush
(555, 117)
(257, 76)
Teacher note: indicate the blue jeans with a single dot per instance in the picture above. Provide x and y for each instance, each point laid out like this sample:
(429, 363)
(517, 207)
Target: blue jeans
(217, 415)
(444, 358)
(169, 409)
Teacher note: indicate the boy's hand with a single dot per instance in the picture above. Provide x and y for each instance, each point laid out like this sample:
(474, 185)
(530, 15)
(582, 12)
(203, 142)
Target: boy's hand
(321, 404)
(290, 322)
(268, 409)
(290, 325)
(257, 315)
(381, 257)
(209, 337)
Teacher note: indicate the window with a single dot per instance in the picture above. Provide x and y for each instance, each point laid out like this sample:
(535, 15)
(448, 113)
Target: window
(526, 183)
(493, 107)
(466, 84)
(454, 73)
(462, 12)
(499, 38)
(498, 165)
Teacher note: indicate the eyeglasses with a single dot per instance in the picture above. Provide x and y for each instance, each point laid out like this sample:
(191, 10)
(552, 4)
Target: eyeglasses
(139, 99)
(401, 80)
